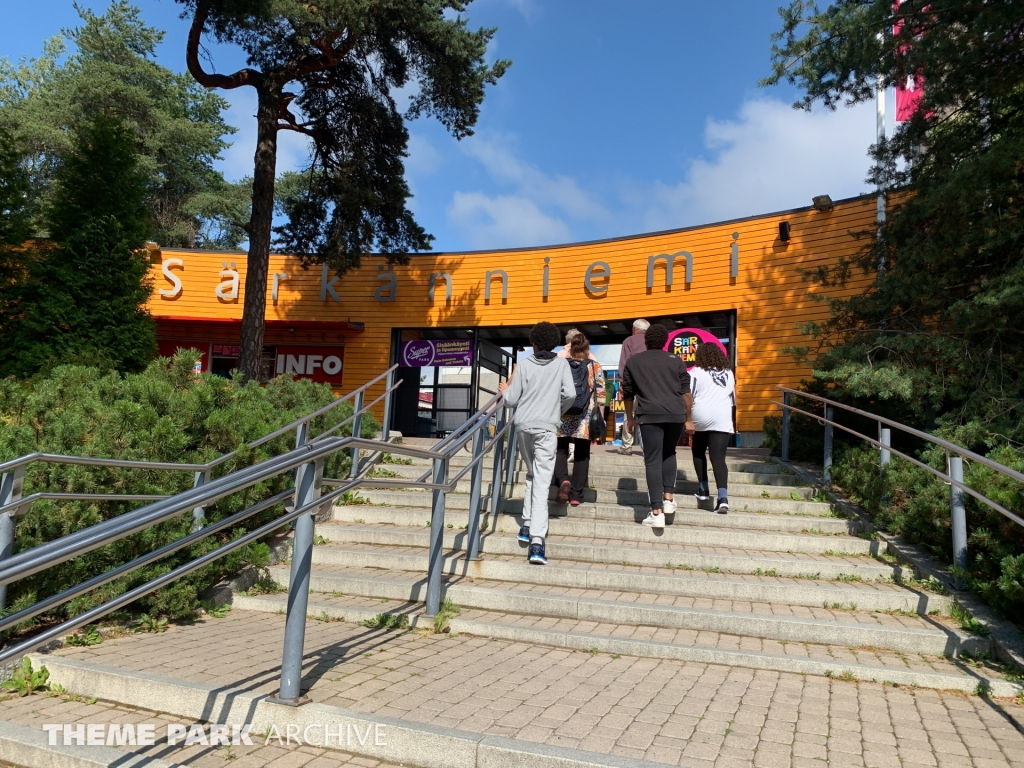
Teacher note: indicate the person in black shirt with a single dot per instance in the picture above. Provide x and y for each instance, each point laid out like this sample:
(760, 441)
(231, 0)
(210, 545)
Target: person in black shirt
(660, 385)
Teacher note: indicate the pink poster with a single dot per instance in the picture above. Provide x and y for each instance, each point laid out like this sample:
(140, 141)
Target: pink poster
(684, 342)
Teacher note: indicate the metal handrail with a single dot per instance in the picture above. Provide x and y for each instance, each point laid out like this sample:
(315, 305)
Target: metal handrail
(953, 476)
(306, 460)
(953, 447)
(54, 458)
(946, 478)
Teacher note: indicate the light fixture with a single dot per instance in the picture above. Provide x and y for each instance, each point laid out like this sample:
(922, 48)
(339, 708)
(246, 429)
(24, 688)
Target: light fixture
(784, 231)
(822, 203)
(605, 327)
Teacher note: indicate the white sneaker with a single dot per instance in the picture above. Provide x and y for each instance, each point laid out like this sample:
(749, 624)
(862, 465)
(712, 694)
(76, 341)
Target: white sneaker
(701, 496)
(669, 508)
(655, 521)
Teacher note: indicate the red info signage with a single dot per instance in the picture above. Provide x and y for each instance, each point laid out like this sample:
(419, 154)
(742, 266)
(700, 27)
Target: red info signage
(324, 364)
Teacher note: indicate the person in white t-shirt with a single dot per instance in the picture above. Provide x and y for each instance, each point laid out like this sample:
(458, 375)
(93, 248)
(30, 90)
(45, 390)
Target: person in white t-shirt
(713, 387)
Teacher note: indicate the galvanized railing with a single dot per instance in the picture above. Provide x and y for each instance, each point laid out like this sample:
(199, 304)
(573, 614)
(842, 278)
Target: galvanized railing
(306, 461)
(12, 479)
(953, 476)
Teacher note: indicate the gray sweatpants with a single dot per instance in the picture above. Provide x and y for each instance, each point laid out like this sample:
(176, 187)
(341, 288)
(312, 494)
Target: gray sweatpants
(538, 449)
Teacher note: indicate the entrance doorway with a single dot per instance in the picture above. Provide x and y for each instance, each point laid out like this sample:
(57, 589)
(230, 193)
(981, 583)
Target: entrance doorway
(447, 373)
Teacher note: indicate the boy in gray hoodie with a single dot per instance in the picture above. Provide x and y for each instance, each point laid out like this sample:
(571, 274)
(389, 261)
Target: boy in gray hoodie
(541, 390)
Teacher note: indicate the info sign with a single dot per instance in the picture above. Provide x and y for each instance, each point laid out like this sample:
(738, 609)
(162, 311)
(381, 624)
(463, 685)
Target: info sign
(437, 352)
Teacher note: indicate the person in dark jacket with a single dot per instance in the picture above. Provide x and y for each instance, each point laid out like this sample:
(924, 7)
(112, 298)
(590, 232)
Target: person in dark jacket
(660, 387)
(630, 347)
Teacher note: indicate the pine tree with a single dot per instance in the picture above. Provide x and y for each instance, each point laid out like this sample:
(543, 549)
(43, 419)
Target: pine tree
(938, 339)
(330, 70)
(15, 227)
(82, 296)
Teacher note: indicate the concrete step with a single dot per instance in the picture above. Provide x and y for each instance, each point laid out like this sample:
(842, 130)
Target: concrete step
(632, 464)
(603, 462)
(560, 514)
(394, 741)
(867, 664)
(866, 595)
(666, 545)
(624, 500)
(904, 634)
(804, 565)
(740, 483)
(24, 746)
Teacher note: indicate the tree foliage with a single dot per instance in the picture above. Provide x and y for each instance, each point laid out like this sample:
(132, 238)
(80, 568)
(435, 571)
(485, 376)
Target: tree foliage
(937, 337)
(165, 413)
(106, 67)
(333, 71)
(83, 295)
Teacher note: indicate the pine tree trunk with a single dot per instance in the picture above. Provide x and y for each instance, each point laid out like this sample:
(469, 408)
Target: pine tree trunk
(258, 263)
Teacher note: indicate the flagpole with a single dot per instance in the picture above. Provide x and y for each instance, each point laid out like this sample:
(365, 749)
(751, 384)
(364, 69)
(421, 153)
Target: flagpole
(879, 138)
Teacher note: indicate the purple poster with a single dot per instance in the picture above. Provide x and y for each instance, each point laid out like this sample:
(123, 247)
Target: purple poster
(440, 352)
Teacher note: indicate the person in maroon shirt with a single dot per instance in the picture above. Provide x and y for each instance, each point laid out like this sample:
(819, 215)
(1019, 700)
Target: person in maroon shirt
(630, 347)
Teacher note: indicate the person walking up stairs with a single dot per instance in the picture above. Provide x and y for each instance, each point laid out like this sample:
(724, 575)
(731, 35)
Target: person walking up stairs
(630, 347)
(541, 390)
(714, 397)
(660, 384)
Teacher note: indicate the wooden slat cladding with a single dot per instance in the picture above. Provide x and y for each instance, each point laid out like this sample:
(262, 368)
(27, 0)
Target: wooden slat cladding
(769, 295)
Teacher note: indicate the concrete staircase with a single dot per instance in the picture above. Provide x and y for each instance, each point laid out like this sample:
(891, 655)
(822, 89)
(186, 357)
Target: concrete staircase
(781, 583)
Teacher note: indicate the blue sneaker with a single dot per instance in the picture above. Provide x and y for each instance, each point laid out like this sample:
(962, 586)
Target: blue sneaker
(537, 555)
(524, 534)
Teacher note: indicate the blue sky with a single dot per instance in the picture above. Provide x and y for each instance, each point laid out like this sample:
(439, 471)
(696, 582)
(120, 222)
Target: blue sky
(614, 119)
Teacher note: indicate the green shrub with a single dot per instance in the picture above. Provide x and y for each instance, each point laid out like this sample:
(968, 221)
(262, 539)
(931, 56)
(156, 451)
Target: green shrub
(912, 503)
(165, 413)
(806, 436)
(25, 681)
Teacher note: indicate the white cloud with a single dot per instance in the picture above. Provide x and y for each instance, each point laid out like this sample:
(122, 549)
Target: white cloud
(504, 221)
(531, 210)
(526, 7)
(770, 157)
(292, 148)
(424, 158)
(558, 191)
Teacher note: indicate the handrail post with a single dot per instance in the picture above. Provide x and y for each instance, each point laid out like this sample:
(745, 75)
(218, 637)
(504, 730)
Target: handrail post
(385, 430)
(884, 456)
(476, 476)
(510, 460)
(10, 490)
(958, 515)
(307, 490)
(785, 426)
(499, 454)
(434, 556)
(199, 513)
(357, 425)
(826, 471)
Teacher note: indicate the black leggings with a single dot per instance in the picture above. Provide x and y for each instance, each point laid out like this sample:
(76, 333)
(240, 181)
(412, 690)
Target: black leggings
(580, 465)
(716, 442)
(659, 444)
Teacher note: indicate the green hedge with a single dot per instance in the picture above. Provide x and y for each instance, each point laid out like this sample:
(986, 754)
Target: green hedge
(165, 413)
(912, 503)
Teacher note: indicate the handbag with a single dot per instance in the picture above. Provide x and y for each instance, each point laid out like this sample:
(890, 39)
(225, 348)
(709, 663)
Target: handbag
(598, 426)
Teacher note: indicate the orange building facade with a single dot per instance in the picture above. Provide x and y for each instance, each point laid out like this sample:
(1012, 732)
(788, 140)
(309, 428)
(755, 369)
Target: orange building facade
(739, 280)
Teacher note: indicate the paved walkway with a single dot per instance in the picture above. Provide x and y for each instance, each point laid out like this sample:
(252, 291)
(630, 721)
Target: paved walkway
(686, 714)
(34, 711)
